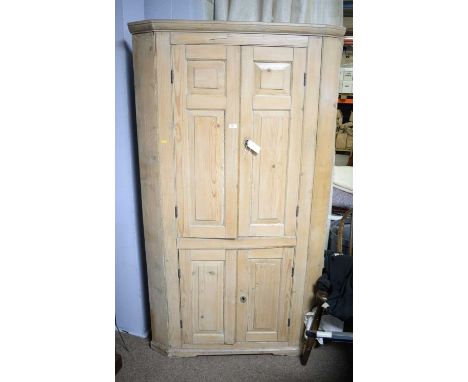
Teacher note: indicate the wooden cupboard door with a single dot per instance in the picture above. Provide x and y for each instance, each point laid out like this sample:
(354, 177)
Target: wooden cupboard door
(272, 96)
(263, 291)
(207, 295)
(206, 116)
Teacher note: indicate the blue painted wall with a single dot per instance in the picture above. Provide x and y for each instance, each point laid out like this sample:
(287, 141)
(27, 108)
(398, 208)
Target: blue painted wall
(131, 303)
(131, 291)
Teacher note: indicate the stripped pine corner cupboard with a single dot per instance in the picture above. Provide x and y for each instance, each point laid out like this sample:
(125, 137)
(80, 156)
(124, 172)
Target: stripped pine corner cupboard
(236, 127)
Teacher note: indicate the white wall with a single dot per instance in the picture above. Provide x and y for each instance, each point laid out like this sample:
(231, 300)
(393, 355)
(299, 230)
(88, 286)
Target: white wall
(131, 292)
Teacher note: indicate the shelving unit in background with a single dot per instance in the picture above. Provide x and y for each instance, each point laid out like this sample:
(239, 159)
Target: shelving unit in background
(345, 100)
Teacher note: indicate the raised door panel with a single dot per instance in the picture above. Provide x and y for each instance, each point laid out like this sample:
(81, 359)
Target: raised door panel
(207, 288)
(263, 288)
(206, 104)
(206, 138)
(269, 173)
(272, 96)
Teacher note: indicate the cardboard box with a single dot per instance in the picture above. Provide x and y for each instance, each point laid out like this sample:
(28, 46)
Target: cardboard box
(349, 142)
(346, 80)
(347, 74)
(340, 142)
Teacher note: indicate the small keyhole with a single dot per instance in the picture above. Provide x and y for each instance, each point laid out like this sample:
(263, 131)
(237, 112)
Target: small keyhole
(243, 299)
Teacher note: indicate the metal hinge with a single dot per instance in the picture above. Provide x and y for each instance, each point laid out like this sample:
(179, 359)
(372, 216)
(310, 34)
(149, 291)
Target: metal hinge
(176, 212)
(297, 211)
(181, 326)
(178, 273)
(305, 79)
(172, 76)
(292, 272)
(289, 322)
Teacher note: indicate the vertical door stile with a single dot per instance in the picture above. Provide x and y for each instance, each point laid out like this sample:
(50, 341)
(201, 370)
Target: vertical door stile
(230, 297)
(232, 139)
(242, 293)
(295, 139)
(186, 295)
(285, 292)
(246, 130)
(180, 136)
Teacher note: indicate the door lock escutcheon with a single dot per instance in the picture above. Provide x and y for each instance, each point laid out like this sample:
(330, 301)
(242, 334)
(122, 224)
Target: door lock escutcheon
(243, 299)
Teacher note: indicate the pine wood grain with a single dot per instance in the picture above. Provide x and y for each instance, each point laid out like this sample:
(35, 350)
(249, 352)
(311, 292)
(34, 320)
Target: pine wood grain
(243, 220)
(155, 148)
(308, 142)
(235, 26)
(324, 158)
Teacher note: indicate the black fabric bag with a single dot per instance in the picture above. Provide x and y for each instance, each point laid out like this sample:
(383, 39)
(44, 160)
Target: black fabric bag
(337, 281)
(337, 278)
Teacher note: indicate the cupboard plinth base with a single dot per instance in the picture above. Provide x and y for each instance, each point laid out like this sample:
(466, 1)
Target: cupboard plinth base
(160, 348)
(185, 352)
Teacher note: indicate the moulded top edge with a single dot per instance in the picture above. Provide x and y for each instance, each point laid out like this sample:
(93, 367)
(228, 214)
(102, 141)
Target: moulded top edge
(235, 26)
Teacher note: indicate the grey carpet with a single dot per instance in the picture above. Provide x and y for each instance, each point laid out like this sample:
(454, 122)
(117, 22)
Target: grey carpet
(329, 363)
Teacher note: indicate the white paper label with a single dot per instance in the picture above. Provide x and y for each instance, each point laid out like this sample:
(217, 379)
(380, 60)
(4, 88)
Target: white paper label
(253, 146)
(232, 126)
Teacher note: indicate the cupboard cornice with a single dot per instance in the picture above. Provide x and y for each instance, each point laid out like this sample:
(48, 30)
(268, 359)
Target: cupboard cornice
(235, 26)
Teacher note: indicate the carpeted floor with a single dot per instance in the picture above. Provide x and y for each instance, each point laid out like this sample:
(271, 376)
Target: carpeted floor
(329, 363)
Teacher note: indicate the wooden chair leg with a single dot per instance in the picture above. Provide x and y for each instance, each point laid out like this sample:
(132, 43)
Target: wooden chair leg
(306, 349)
(312, 343)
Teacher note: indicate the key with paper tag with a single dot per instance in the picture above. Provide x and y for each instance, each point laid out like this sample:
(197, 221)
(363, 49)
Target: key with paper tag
(252, 146)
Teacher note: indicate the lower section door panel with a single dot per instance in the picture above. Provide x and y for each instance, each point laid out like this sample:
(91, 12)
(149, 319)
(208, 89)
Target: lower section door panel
(207, 291)
(263, 289)
(230, 296)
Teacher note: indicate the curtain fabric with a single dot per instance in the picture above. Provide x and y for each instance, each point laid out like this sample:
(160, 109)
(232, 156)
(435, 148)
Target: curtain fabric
(277, 11)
